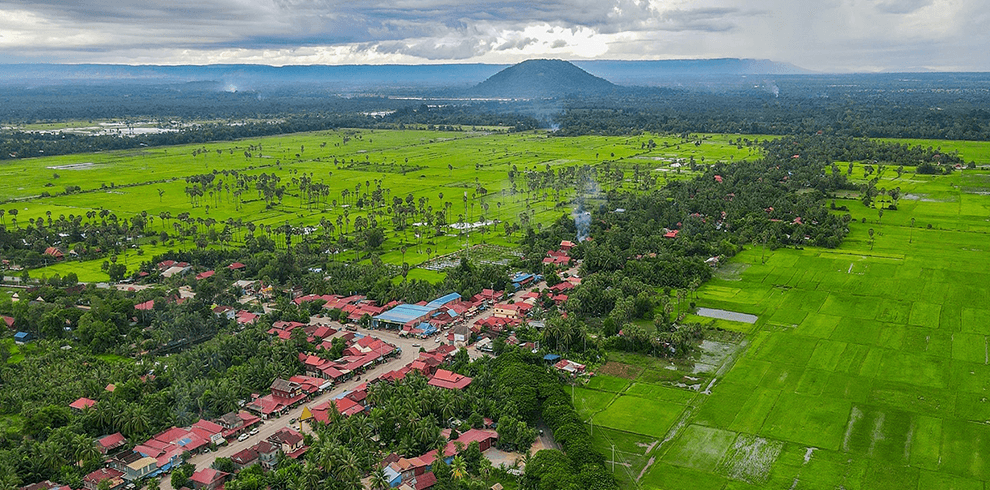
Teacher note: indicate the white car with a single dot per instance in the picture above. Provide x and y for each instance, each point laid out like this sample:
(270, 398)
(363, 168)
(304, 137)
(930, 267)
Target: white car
(253, 431)
(242, 437)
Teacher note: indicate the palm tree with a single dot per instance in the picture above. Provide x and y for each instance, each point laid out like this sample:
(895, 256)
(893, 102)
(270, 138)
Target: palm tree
(379, 481)
(458, 467)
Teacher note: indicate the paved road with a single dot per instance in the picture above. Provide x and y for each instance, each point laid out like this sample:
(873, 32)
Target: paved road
(271, 426)
(410, 351)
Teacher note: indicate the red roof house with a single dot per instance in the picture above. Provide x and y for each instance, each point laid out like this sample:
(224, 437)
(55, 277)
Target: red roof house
(208, 478)
(449, 380)
(82, 403)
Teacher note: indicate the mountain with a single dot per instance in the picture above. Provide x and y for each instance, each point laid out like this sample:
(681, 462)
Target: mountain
(529, 79)
(540, 79)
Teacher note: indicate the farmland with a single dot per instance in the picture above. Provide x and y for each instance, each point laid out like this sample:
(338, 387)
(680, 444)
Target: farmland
(465, 174)
(867, 366)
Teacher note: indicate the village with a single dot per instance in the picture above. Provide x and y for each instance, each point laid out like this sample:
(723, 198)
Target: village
(380, 344)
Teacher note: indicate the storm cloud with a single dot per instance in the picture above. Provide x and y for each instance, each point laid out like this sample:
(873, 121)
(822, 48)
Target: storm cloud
(828, 35)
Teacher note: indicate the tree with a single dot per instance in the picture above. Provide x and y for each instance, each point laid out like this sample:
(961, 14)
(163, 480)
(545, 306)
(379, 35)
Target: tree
(458, 468)
(116, 272)
(379, 481)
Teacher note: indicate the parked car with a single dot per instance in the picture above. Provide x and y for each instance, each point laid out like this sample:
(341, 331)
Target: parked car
(242, 437)
(415, 345)
(253, 431)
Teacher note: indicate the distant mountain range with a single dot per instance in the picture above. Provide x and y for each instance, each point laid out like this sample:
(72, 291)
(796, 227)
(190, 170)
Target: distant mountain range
(594, 76)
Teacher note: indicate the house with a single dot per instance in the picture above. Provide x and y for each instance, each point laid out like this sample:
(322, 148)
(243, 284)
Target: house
(284, 395)
(9, 322)
(210, 431)
(225, 312)
(208, 478)
(245, 458)
(288, 440)
(236, 266)
(569, 367)
(511, 310)
(484, 437)
(205, 275)
(426, 480)
(671, 233)
(55, 252)
(108, 444)
(82, 404)
(462, 333)
(134, 465)
(21, 338)
(392, 475)
(114, 477)
(267, 454)
(449, 380)
(45, 485)
(523, 279)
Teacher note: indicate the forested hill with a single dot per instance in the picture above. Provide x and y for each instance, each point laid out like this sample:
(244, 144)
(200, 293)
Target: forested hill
(539, 79)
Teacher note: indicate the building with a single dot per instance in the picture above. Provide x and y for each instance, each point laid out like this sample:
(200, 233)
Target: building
(288, 440)
(402, 316)
(208, 478)
(114, 477)
(45, 485)
(134, 465)
(245, 458)
(267, 454)
(516, 311)
(285, 394)
(82, 404)
(449, 380)
(569, 367)
(108, 444)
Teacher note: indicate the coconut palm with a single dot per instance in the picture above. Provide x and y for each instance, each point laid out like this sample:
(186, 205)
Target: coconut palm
(379, 481)
(458, 468)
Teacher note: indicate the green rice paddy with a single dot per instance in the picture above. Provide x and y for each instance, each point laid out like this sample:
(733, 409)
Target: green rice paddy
(423, 164)
(869, 366)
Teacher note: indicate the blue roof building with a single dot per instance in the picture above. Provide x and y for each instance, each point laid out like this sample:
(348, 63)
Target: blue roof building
(443, 300)
(402, 315)
(23, 337)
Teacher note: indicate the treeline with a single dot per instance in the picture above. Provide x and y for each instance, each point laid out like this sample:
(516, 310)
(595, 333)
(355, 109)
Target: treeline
(23, 144)
(936, 106)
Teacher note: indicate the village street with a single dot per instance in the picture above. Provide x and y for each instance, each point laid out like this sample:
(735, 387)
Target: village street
(409, 347)
(408, 354)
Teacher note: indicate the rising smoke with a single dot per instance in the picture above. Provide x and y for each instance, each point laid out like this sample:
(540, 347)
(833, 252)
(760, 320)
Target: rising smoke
(582, 221)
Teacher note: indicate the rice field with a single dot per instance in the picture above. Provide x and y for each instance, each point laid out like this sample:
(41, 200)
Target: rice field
(868, 366)
(418, 163)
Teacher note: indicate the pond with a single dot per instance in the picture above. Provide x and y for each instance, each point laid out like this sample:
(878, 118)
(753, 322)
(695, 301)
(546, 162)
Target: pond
(727, 315)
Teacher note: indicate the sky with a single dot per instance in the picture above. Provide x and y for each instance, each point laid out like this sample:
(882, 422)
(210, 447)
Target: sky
(819, 35)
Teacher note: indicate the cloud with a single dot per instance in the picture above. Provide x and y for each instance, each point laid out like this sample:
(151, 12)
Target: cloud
(902, 6)
(825, 35)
